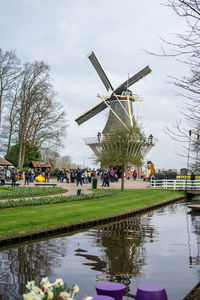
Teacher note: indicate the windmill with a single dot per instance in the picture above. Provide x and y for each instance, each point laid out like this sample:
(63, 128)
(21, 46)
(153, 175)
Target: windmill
(119, 103)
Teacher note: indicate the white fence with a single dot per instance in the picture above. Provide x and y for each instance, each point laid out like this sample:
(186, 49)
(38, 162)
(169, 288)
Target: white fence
(175, 184)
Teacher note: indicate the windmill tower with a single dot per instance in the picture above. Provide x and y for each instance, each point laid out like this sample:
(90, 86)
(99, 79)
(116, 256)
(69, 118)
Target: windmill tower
(120, 104)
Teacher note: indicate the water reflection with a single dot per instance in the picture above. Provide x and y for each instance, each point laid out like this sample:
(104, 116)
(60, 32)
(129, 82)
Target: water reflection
(194, 254)
(125, 253)
(144, 249)
(28, 262)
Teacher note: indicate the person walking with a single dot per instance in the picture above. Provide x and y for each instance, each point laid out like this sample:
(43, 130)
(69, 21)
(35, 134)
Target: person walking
(78, 177)
(26, 175)
(14, 177)
(3, 176)
(112, 175)
(46, 176)
(128, 174)
(8, 175)
(89, 176)
(85, 176)
(192, 178)
(134, 175)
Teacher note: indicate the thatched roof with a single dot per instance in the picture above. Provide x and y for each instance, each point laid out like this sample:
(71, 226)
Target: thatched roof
(5, 163)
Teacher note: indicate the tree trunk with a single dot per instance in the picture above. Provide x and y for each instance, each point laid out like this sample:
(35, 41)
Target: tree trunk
(1, 91)
(122, 182)
(10, 138)
(20, 154)
(23, 154)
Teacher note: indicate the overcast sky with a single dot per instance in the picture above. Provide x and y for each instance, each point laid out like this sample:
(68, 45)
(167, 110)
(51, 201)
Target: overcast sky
(64, 32)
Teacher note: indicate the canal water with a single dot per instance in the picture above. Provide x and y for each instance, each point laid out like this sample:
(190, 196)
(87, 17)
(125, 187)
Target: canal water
(160, 247)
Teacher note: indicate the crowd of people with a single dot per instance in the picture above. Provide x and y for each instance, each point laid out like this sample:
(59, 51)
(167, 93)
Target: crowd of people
(9, 175)
(84, 176)
(78, 176)
(13, 175)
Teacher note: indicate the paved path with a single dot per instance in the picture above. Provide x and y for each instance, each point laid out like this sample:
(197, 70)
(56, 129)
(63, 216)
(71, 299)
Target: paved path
(72, 188)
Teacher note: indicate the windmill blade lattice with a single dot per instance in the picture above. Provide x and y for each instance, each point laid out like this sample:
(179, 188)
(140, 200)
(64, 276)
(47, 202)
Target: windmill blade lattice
(135, 78)
(100, 71)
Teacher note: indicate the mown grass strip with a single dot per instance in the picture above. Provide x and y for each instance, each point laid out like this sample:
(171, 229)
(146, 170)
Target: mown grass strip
(56, 199)
(22, 219)
(23, 192)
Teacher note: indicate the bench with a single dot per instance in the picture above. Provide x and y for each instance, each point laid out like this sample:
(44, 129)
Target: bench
(46, 184)
(9, 183)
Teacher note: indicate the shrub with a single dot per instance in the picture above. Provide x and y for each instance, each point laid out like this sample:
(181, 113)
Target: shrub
(160, 176)
(171, 175)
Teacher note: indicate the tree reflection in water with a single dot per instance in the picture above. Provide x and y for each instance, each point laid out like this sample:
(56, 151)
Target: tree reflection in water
(194, 254)
(124, 253)
(28, 262)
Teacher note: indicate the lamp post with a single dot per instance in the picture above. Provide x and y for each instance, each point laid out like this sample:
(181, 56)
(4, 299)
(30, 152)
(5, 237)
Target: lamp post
(150, 139)
(197, 152)
(99, 137)
(188, 158)
(197, 133)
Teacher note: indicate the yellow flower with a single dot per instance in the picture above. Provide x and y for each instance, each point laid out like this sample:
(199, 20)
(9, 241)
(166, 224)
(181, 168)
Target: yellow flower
(28, 297)
(48, 287)
(76, 288)
(30, 285)
(88, 298)
(58, 282)
(65, 295)
(32, 296)
(36, 290)
(44, 281)
(50, 295)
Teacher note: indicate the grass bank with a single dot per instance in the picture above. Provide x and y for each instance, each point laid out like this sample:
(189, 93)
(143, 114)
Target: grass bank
(22, 219)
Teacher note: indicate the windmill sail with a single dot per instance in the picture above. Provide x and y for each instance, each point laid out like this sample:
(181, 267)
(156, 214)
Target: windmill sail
(135, 78)
(120, 109)
(96, 64)
(90, 112)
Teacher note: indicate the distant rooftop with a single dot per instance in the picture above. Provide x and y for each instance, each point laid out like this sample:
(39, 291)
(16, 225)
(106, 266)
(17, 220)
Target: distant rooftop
(5, 163)
(41, 164)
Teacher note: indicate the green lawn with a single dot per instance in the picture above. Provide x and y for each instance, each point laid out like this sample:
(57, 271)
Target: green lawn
(17, 220)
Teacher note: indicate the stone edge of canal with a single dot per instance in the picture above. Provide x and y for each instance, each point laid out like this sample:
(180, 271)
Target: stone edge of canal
(194, 294)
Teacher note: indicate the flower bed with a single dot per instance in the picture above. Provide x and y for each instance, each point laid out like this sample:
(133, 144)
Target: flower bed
(23, 192)
(57, 199)
(45, 290)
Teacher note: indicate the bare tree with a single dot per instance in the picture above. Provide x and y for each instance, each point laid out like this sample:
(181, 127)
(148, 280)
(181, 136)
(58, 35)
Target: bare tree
(9, 71)
(64, 162)
(41, 119)
(33, 116)
(49, 155)
(186, 49)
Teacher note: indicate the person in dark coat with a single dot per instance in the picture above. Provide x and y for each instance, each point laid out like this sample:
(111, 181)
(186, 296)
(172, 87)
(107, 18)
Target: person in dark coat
(192, 178)
(14, 177)
(26, 175)
(78, 177)
(2, 176)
